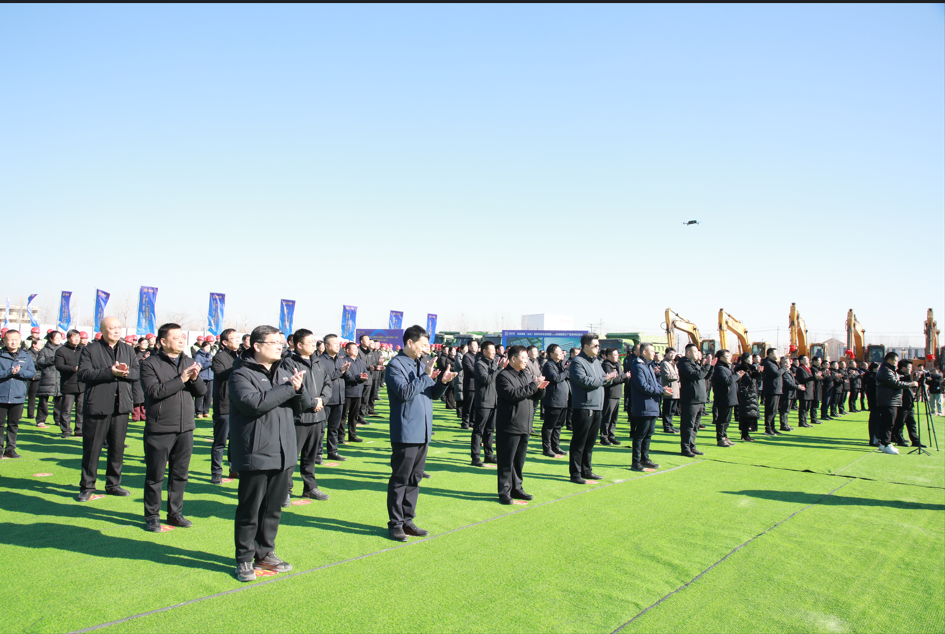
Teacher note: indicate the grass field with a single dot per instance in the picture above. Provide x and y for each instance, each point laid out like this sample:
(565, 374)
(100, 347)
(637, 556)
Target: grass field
(808, 532)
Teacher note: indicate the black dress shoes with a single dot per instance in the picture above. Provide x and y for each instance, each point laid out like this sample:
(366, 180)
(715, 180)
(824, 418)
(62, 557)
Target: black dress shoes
(518, 494)
(578, 480)
(397, 534)
(505, 499)
(179, 521)
(153, 525)
(592, 476)
(412, 529)
(118, 491)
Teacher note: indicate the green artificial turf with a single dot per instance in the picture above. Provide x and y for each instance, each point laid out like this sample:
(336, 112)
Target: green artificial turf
(573, 560)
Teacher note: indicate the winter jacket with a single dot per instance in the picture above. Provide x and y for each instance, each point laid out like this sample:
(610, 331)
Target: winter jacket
(368, 358)
(411, 393)
(137, 392)
(614, 389)
(647, 389)
(818, 382)
(804, 376)
(13, 387)
(855, 380)
(485, 373)
(46, 363)
(318, 386)
(869, 386)
(223, 363)
(692, 378)
(772, 376)
(67, 364)
(908, 395)
(748, 393)
(587, 383)
(788, 384)
(725, 385)
(469, 374)
(34, 355)
(669, 377)
(559, 386)
(516, 395)
(105, 393)
(336, 377)
(262, 420)
(168, 401)
(354, 384)
(205, 359)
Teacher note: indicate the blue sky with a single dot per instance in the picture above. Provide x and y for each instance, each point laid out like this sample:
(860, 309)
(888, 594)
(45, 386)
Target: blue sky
(481, 162)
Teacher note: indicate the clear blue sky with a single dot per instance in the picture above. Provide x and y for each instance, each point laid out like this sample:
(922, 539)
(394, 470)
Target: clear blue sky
(481, 160)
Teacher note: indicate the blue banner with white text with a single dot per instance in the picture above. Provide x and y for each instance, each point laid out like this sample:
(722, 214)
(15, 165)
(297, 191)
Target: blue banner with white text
(65, 311)
(101, 301)
(147, 311)
(287, 316)
(34, 323)
(393, 336)
(215, 314)
(431, 326)
(396, 320)
(349, 320)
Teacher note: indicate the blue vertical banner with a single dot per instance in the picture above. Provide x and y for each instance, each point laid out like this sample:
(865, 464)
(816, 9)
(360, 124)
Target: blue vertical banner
(101, 301)
(29, 311)
(65, 311)
(147, 315)
(6, 315)
(431, 326)
(215, 314)
(349, 320)
(287, 316)
(396, 320)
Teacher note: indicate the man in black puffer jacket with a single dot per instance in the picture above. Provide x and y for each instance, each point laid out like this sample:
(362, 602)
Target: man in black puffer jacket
(889, 389)
(749, 410)
(171, 381)
(67, 364)
(905, 417)
(772, 388)
(50, 381)
(725, 393)
(692, 396)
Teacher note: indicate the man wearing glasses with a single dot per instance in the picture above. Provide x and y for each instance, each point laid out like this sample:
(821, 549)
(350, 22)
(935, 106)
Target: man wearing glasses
(264, 393)
(587, 400)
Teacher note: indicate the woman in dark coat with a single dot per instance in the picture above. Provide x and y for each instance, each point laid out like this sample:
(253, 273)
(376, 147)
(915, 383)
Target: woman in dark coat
(748, 411)
(49, 383)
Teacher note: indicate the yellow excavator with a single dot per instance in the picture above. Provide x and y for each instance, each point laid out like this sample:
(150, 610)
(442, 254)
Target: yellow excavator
(856, 341)
(931, 340)
(673, 323)
(798, 329)
(727, 324)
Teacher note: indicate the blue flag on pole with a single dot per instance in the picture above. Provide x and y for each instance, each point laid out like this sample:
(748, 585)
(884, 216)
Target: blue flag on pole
(287, 316)
(431, 326)
(6, 315)
(396, 320)
(101, 300)
(349, 320)
(147, 317)
(33, 321)
(215, 314)
(65, 312)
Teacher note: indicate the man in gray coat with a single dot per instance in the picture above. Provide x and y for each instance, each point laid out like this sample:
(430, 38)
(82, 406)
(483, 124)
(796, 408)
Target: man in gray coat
(587, 400)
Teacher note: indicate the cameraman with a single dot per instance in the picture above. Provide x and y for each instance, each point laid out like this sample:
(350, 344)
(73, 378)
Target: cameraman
(889, 389)
(905, 416)
(935, 382)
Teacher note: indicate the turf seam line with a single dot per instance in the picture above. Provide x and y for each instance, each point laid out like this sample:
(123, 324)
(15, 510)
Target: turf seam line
(730, 553)
(366, 555)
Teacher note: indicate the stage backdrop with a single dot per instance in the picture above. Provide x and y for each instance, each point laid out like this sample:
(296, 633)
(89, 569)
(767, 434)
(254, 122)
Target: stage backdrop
(543, 338)
(393, 336)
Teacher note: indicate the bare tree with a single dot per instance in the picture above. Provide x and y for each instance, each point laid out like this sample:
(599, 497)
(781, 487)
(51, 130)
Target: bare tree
(122, 307)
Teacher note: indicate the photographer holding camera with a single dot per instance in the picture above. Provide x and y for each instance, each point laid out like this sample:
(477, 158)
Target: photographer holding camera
(889, 398)
(905, 417)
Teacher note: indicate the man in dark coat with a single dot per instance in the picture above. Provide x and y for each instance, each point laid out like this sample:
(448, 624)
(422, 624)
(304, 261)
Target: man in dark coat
(613, 393)
(171, 381)
(369, 357)
(855, 378)
(725, 393)
(693, 396)
(109, 368)
(804, 379)
(788, 389)
(869, 388)
(486, 369)
(469, 385)
(223, 364)
(67, 364)
(49, 382)
(648, 392)
(356, 376)
(412, 386)
(772, 381)
(587, 400)
(516, 394)
(554, 401)
(265, 392)
(905, 416)
(335, 364)
(827, 386)
(889, 388)
(819, 373)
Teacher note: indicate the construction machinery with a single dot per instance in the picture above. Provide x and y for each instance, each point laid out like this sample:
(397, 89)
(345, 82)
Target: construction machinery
(856, 342)
(932, 332)
(727, 324)
(798, 331)
(675, 322)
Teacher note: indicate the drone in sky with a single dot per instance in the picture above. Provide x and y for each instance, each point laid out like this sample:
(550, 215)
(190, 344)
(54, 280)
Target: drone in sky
(691, 222)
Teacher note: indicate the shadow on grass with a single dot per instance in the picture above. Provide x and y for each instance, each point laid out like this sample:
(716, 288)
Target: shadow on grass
(835, 500)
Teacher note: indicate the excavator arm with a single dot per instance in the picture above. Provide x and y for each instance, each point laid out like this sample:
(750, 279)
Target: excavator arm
(856, 337)
(727, 324)
(798, 331)
(675, 322)
(931, 337)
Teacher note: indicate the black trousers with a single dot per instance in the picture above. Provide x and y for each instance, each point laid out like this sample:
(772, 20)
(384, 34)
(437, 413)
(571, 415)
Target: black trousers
(469, 413)
(813, 409)
(66, 405)
(669, 408)
(482, 432)
(586, 423)
(375, 389)
(853, 394)
(333, 429)
(784, 405)
(886, 419)
(10, 414)
(825, 404)
(510, 452)
(771, 409)
(608, 424)
(407, 462)
(365, 404)
(905, 418)
(221, 433)
(873, 424)
(689, 417)
(307, 437)
(643, 429)
(166, 452)
(258, 512)
(802, 409)
(43, 409)
(864, 395)
(842, 401)
(723, 416)
(833, 402)
(202, 403)
(352, 413)
(31, 391)
(552, 420)
(97, 430)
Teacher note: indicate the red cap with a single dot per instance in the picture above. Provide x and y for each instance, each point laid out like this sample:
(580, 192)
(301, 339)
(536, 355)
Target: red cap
(98, 336)
(34, 330)
(149, 336)
(200, 338)
(84, 335)
(210, 338)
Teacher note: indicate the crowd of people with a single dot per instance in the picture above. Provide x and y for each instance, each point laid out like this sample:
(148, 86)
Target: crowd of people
(279, 402)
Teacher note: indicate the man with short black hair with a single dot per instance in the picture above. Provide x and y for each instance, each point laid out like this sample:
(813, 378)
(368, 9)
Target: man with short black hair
(587, 400)
(725, 393)
(264, 393)
(469, 385)
(223, 364)
(693, 396)
(517, 390)
(806, 385)
(772, 379)
(486, 370)
(412, 386)
(554, 403)
(355, 377)
(67, 364)
(889, 387)
(335, 365)
(648, 391)
(171, 381)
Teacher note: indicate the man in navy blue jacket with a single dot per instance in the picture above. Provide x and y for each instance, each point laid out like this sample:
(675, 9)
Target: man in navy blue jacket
(412, 386)
(16, 370)
(648, 391)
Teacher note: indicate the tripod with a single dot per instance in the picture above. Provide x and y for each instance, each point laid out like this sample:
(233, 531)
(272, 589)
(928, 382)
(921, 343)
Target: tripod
(923, 396)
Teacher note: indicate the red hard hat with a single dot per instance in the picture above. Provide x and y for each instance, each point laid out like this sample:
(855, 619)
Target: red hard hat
(200, 338)
(398, 347)
(84, 335)
(49, 331)
(98, 336)
(149, 336)
(34, 330)
(210, 338)
(130, 338)
(3, 331)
